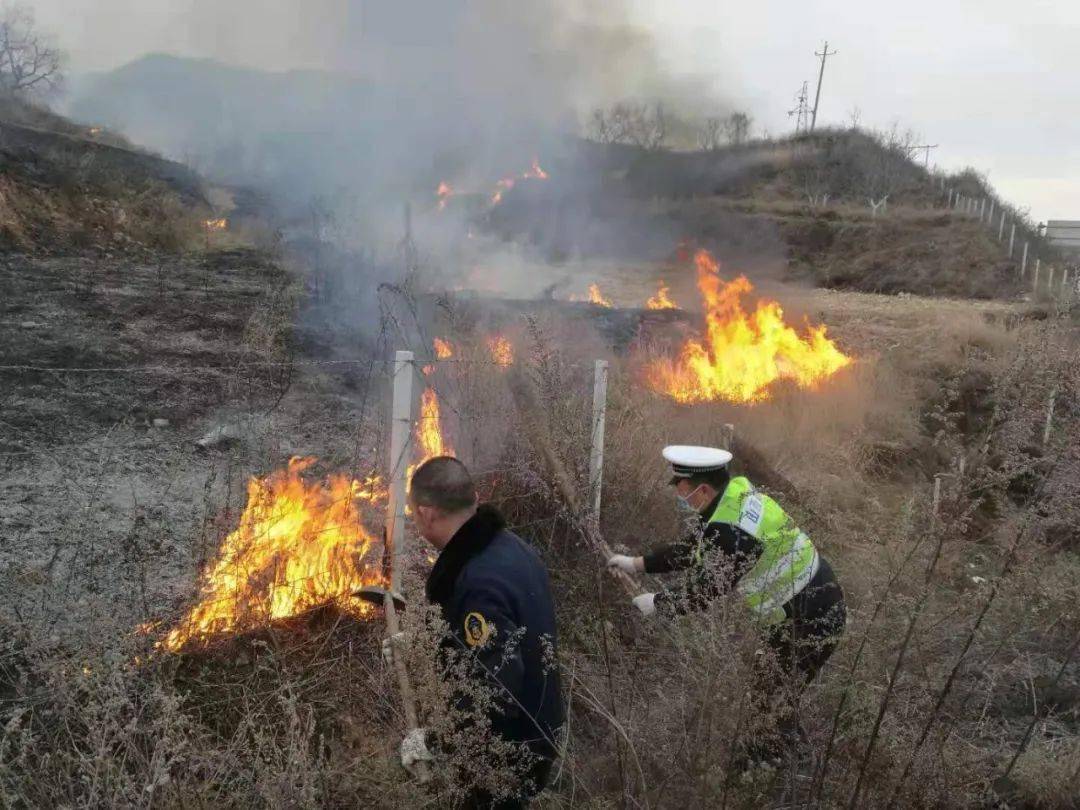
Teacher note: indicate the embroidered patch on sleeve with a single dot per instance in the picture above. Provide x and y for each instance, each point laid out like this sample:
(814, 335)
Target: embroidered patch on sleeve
(477, 630)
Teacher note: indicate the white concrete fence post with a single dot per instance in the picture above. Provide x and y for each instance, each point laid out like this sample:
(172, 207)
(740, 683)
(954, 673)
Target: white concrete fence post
(1012, 239)
(982, 210)
(596, 450)
(1049, 416)
(1001, 227)
(1023, 264)
(401, 441)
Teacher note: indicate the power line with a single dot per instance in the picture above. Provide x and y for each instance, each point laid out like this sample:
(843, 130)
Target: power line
(825, 54)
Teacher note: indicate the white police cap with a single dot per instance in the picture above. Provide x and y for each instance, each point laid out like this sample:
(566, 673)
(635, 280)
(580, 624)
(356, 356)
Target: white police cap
(688, 460)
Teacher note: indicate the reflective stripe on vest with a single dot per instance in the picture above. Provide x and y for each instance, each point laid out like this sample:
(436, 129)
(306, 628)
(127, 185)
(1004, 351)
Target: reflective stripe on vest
(788, 559)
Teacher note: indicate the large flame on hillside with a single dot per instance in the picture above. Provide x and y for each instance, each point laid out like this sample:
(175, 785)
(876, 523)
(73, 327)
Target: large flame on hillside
(662, 299)
(742, 354)
(299, 545)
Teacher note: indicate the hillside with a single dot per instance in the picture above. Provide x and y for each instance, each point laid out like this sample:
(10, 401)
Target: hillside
(69, 187)
(800, 204)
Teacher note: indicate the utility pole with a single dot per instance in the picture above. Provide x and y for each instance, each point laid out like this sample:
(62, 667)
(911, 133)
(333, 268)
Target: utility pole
(825, 54)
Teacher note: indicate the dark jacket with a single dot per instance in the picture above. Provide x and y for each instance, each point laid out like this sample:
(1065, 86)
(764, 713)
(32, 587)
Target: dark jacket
(494, 594)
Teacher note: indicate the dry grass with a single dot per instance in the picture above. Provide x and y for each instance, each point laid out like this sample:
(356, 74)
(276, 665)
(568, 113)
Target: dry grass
(305, 715)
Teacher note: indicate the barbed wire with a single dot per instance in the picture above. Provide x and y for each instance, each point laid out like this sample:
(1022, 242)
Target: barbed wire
(241, 365)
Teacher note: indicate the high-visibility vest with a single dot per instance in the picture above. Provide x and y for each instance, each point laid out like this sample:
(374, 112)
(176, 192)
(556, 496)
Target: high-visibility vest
(788, 559)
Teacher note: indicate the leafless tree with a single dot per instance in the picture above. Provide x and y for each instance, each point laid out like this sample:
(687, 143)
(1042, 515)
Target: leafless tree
(709, 134)
(737, 127)
(635, 124)
(886, 168)
(30, 63)
(652, 125)
(854, 117)
(600, 129)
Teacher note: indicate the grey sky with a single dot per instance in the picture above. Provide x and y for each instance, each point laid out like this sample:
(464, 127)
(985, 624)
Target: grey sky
(993, 82)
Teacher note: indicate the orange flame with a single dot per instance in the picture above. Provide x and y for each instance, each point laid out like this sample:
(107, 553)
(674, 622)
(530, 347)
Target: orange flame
(216, 224)
(594, 297)
(298, 546)
(742, 354)
(443, 350)
(429, 428)
(502, 351)
(661, 300)
(502, 187)
(444, 192)
(535, 172)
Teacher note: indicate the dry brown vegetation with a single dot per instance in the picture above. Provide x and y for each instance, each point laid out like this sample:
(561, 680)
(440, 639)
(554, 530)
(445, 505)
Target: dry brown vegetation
(66, 188)
(111, 525)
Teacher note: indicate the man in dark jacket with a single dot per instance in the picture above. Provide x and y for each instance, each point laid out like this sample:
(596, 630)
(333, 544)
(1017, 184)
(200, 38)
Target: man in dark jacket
(493, 591)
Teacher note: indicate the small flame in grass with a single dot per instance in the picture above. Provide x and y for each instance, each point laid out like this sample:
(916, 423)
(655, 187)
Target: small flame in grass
(444, 192)
(594, 297)
(299, 545)
(429, 434)
(662, 299)
(443, 350)
(535, 172)
(742, 354)
(216, 224)
(502, 351)
(501, 188)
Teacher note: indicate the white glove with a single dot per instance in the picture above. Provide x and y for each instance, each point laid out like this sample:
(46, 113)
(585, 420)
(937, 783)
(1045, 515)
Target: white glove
(630, 565)
(389, 644)
(646, 603)
(414, 749)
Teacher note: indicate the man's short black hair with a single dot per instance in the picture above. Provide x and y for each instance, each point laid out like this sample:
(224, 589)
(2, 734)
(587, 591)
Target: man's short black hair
(717, 479)
(445, 483)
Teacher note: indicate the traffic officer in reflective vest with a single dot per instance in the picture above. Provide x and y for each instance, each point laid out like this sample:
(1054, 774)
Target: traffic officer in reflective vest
(746, 541)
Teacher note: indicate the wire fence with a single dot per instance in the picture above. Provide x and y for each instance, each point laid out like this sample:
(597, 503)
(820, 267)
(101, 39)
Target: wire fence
(1049, 273)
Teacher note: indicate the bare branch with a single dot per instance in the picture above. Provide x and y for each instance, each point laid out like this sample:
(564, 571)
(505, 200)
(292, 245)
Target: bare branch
(30, 63)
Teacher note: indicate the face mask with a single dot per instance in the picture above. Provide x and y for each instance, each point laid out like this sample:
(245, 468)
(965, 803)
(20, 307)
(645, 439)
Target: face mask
(684, 501)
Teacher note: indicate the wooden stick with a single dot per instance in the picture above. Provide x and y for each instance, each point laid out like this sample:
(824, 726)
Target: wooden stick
(521, 388)
(408, 697)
